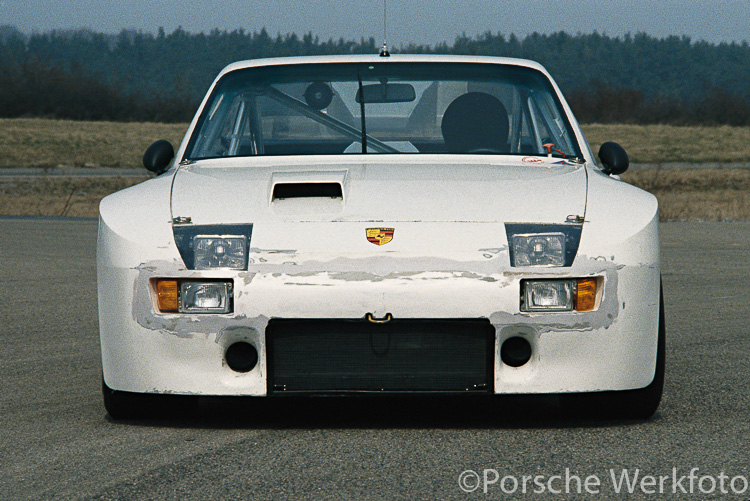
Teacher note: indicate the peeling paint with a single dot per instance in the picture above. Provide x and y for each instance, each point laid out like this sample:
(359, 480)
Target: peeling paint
(601, 318)
(180, 325)
(498, 250)
(378, 265)
(256, 250)
(397, 271)
(246, 277)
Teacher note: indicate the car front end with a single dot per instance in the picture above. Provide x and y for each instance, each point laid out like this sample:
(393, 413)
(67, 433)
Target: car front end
(385, 267)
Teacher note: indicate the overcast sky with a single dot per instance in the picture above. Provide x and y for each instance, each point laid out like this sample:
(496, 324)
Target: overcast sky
(425, 22)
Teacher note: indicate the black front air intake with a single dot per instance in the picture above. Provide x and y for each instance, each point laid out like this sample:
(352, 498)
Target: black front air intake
(338, 356)
(307, 190)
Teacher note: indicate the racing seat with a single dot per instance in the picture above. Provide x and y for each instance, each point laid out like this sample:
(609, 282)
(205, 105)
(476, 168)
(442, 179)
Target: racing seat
(475, 122)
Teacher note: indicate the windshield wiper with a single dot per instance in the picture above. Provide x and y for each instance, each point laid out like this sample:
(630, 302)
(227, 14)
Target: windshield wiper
(362, 113)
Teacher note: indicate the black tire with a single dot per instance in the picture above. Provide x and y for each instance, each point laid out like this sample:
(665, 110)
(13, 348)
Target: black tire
(628, 404)
(127, 405)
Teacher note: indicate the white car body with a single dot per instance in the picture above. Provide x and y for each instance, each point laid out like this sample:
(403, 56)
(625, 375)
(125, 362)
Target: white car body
(449, 258)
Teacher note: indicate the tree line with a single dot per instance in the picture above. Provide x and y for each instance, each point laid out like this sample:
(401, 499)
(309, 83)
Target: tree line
(137, 76)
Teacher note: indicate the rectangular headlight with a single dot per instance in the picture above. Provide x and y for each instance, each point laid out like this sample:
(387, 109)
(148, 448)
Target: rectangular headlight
(548, 295)
(217, 251)
(205, 297)
(217, 246)
(542, 244)
(542, 249)
(576, 294)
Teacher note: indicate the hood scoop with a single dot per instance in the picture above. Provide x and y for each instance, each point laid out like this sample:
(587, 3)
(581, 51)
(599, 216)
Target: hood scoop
(306, 194)
(306, 190)
(322, 184)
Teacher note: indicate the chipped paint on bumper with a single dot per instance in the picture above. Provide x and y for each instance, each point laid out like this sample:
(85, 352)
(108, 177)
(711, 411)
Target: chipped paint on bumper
(611, 348)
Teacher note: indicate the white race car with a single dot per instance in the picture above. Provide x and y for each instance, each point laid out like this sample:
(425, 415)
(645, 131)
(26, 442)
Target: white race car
(382, 225)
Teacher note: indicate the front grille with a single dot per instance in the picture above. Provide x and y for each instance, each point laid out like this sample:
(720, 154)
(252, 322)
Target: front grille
(330, 356)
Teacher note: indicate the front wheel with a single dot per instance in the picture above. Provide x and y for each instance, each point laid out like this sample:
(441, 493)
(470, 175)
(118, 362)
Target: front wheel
(627, 404)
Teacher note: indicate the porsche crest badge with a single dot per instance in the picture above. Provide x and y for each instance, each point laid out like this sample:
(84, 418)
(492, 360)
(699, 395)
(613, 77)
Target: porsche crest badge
(379, 236)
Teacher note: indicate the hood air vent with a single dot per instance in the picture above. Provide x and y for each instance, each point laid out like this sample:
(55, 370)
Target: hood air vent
(307, 190)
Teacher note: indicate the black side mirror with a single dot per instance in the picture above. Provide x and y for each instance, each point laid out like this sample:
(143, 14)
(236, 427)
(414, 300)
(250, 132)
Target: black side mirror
(614, 159)
(158, 156)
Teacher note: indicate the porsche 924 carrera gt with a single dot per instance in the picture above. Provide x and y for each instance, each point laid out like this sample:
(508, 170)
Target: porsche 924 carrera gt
(360, 225)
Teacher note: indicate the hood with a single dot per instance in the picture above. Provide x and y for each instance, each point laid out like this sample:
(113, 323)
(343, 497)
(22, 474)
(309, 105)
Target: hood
(397, 189)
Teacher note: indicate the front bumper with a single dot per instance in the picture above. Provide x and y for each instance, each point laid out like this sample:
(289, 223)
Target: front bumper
(611, 348)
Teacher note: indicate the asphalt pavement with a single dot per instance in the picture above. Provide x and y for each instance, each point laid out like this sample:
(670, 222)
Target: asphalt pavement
(56, 440)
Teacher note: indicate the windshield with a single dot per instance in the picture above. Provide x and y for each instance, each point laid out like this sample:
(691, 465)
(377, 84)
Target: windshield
(355, 108)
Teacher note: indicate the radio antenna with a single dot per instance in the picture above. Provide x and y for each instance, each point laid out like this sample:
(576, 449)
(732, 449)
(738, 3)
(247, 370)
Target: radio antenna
(384, 50)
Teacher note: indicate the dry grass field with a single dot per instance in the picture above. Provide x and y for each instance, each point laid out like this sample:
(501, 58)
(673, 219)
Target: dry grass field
(59, 195)
(696, 194)
(708, 194)
(64, 143)
(33, 142)
(656, 144)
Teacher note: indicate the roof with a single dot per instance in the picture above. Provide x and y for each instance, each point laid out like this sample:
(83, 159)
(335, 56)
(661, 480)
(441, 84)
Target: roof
(374, 58)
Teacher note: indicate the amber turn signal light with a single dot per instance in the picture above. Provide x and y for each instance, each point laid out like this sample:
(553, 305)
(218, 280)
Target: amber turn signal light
(586, 294)
(167, 295)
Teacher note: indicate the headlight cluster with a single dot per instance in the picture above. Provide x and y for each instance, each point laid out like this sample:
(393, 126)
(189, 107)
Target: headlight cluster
(570, 294)
(209, 247)
(543, 244)
(544, 249)
(219, 251)
(205, 297)
(193, 296)
(550, 245)
(548, 295)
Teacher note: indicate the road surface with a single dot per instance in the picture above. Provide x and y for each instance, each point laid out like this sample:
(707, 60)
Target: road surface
(56, 440)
